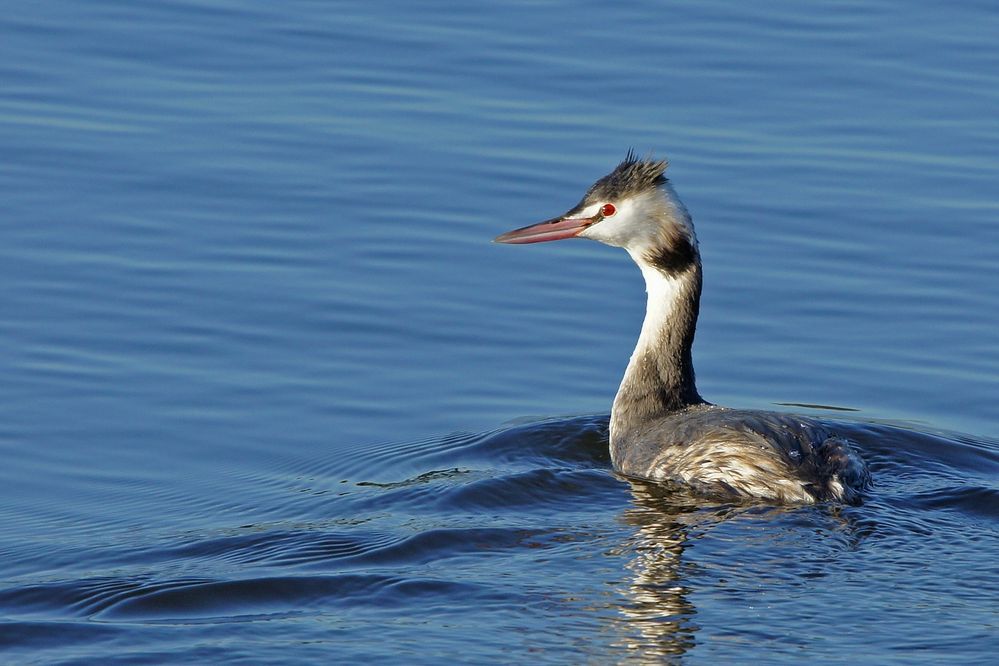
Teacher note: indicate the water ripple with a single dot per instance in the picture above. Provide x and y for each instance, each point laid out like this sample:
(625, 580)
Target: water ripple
(129, 599)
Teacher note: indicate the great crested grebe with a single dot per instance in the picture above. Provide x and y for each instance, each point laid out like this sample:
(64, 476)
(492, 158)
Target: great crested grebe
(660, 428)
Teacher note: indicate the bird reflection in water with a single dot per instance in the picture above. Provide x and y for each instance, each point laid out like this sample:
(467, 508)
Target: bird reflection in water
(656, 601)
(657, 623)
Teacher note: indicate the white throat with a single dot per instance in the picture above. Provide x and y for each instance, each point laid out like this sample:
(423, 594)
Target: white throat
(660, 375)
(663, 293)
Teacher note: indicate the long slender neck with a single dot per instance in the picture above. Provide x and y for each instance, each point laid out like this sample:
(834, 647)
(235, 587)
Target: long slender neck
(660, 376)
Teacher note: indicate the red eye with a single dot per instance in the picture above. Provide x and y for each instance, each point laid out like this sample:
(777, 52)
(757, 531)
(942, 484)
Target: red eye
(607, 210)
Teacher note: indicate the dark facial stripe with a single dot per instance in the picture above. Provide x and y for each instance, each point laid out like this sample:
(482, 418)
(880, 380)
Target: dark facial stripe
(674, 257)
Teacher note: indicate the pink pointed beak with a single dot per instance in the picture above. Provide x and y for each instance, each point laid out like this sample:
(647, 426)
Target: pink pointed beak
(556, 228)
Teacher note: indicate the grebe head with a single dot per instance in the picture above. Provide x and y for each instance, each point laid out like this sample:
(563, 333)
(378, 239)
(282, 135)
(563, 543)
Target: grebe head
(633, 207)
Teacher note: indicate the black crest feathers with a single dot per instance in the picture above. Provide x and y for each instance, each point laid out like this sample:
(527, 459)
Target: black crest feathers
(632, 176)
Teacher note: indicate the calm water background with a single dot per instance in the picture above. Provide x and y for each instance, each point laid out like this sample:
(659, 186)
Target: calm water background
(268, 393)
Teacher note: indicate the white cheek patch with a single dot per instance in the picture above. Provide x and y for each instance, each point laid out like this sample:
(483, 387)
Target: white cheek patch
(630, 226)
(640, 220)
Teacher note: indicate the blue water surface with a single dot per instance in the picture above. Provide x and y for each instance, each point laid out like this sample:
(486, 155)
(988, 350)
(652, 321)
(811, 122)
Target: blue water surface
(268, 394)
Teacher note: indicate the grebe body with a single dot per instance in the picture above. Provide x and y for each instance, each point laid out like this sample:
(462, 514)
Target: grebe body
(661, 429)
